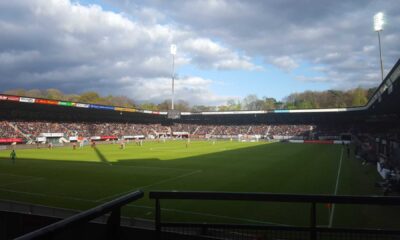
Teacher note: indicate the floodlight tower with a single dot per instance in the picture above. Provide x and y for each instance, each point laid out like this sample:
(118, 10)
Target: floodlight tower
(173, 53)
(378, 27)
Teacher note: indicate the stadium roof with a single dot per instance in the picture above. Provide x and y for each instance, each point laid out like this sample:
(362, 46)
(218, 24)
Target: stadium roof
(382, 105)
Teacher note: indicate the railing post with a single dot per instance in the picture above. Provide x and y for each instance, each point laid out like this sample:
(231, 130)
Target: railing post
(313, 221)
(113, 224)
(158, 219)
(204, 230)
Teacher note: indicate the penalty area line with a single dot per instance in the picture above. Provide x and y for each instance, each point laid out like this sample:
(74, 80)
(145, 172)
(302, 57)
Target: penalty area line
(210, 215)
(33, 179)
(45, 195)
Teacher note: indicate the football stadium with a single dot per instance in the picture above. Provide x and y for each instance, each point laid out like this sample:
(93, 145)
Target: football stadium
(75, 156)
(75, 169)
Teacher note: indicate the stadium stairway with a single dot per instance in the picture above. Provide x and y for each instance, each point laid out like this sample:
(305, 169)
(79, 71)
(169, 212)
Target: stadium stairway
(195, 131)
(28, 138)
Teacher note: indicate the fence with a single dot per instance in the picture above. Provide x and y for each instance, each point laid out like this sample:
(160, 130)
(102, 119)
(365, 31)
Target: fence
(113, 222)
(240, 231)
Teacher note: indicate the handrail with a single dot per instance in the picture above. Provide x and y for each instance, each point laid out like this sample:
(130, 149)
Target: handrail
(113, 206)
(278, 227)
(313, 228)
(275, 197)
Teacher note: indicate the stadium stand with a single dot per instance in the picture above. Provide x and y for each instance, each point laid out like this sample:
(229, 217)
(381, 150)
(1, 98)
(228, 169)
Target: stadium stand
(35, 129)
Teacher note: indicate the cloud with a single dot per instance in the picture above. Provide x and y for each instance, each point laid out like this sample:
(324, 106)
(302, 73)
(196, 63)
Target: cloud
(286, 63)
(317, 79)
(209, 54)
(193, 89)
(335, 34)
(75, 47)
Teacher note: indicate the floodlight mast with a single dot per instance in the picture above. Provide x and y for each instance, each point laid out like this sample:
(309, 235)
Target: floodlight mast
(378, 27)
(173, 53)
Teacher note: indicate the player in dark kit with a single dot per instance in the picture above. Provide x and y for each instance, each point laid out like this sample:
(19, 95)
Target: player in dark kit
(13, 156)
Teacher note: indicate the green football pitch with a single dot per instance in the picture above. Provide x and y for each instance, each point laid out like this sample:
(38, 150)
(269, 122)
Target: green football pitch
(83, 178)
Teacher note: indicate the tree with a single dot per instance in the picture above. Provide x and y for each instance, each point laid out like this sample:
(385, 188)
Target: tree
(55, 94)
(182, 106)
(250, 102)
(359, 97)
(149, 106)
(233, 105)
(35, 93)
(202, 108)
(269, 103)
(89, 97)
(18, 92)
(165, 105)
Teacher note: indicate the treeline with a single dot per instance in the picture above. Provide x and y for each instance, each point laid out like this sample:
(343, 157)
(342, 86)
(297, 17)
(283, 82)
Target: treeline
(304, 100)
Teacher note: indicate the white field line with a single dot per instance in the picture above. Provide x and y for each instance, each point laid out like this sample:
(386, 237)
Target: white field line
(15, 175)
(115, 164)
(158, 168)
(45, 195)
(171, 179)
(24, 181)
(209, 215)
(336, 189)
(150, 185)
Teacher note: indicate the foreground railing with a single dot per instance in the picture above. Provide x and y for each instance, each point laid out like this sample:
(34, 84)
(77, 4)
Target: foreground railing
(79, 219)
(240, 231)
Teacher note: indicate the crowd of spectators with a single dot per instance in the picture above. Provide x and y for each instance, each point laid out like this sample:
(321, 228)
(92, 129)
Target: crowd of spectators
(226, 130)
(34, 129)
(380, 146)
(7, 131)
(291, 130)
(204, 130)
(189, 128)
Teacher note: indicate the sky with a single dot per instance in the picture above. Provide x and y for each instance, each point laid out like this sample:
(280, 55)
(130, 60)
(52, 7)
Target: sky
(226, 49)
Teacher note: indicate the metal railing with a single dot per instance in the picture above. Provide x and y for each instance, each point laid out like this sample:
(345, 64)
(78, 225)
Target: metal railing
(113, 222)
(241, 231)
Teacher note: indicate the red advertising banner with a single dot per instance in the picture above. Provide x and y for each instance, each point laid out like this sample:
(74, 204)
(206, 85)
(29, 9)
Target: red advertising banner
(2, 97)
(13, 98)
(11, 140)
(45, 101)
(108, 137)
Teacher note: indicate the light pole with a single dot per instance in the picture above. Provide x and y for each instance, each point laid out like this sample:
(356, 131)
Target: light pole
(378, 27)
(173, 53)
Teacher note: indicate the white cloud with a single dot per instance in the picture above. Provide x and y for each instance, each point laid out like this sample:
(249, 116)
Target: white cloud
(285, 33)
(207, 53)
(315, 79)
(286, 63)
(192, 89)
(368, 48)
(63, 44)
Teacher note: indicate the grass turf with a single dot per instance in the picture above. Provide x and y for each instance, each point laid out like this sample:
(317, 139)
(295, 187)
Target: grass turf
(83, 178)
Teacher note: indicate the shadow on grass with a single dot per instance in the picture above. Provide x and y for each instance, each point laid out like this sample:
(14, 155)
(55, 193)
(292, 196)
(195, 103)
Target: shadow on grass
(101, 156)
(256, 168)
